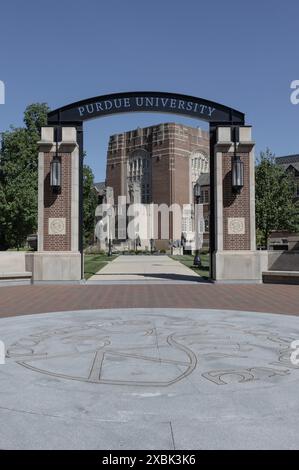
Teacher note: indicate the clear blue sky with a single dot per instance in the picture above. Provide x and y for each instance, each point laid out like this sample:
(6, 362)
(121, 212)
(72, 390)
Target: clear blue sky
(241, 54)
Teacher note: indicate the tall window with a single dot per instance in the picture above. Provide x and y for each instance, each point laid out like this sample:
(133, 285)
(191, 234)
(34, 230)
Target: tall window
(204, 196)
(199, 165)
(207, 224)
(139, 171)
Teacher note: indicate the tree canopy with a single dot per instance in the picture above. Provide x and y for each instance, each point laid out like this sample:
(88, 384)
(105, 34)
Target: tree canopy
(90, 202)
(275, 206)
(19, 181)
(18, 178)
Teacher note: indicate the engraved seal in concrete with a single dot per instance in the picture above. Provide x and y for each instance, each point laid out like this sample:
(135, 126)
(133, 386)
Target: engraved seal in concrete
(154, 350)
(57, 226)
(160, 378)
(236, 225)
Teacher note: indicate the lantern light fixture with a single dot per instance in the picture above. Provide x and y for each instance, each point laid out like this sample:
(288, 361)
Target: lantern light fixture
(197, 192)
(237, 165)
(237, 174)
(55, 167)
(55, 173)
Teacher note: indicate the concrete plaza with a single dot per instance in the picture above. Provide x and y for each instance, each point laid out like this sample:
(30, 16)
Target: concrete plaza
(149, 378)
(152, 363)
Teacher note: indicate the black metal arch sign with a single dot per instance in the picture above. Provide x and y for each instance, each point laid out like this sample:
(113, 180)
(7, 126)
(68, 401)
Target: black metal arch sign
(147, 101)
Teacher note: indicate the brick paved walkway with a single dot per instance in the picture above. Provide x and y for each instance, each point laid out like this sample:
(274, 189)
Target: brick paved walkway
(39, 299)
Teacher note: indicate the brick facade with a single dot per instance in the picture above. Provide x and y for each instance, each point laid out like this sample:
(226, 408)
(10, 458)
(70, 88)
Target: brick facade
(235, 205)
(169, 146)
(57, 205)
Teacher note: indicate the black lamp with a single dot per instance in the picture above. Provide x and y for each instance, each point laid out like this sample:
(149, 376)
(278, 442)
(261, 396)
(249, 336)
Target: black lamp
(197, 260)
(55, 173)
(197, 193)
(237, 173)
(55, 166)
(237, 165)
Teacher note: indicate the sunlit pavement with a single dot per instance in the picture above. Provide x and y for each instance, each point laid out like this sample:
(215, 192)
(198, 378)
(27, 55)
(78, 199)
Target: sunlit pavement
(149, 378)
(145, 268)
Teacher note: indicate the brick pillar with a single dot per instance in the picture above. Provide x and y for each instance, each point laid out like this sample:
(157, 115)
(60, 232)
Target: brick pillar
(58, 256)
(235, 257)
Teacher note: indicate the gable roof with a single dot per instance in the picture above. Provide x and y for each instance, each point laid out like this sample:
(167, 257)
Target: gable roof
(288, 160)
(100, 187)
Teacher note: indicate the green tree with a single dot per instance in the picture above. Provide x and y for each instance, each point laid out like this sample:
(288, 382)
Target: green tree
(35, 117)
(90, 202)
(18, 178)
(275, 206)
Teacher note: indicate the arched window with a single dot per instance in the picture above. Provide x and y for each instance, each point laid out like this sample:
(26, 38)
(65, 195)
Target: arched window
(199, 165)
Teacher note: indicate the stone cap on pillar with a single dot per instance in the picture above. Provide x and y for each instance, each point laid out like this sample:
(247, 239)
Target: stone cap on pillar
(225, 142)
(224, 138)
(47, 139)
(68, 139)
(245, 139)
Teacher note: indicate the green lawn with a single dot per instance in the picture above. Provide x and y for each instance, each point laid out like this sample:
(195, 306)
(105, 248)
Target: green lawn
(93, 263)
(187, 260)
(21, 248)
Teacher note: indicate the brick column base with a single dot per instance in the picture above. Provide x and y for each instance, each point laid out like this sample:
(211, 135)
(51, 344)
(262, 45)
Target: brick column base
(235, 257)
(58, 257)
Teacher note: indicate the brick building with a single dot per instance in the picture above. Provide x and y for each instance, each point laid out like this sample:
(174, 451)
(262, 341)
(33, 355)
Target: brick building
(159, 164)
(290, 163)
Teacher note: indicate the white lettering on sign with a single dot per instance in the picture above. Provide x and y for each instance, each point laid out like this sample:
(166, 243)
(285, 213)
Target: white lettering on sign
(145, 102)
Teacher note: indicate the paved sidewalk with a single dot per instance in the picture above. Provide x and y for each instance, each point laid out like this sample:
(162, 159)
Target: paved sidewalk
(146, 268)
(149, 379)
(273, 298)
